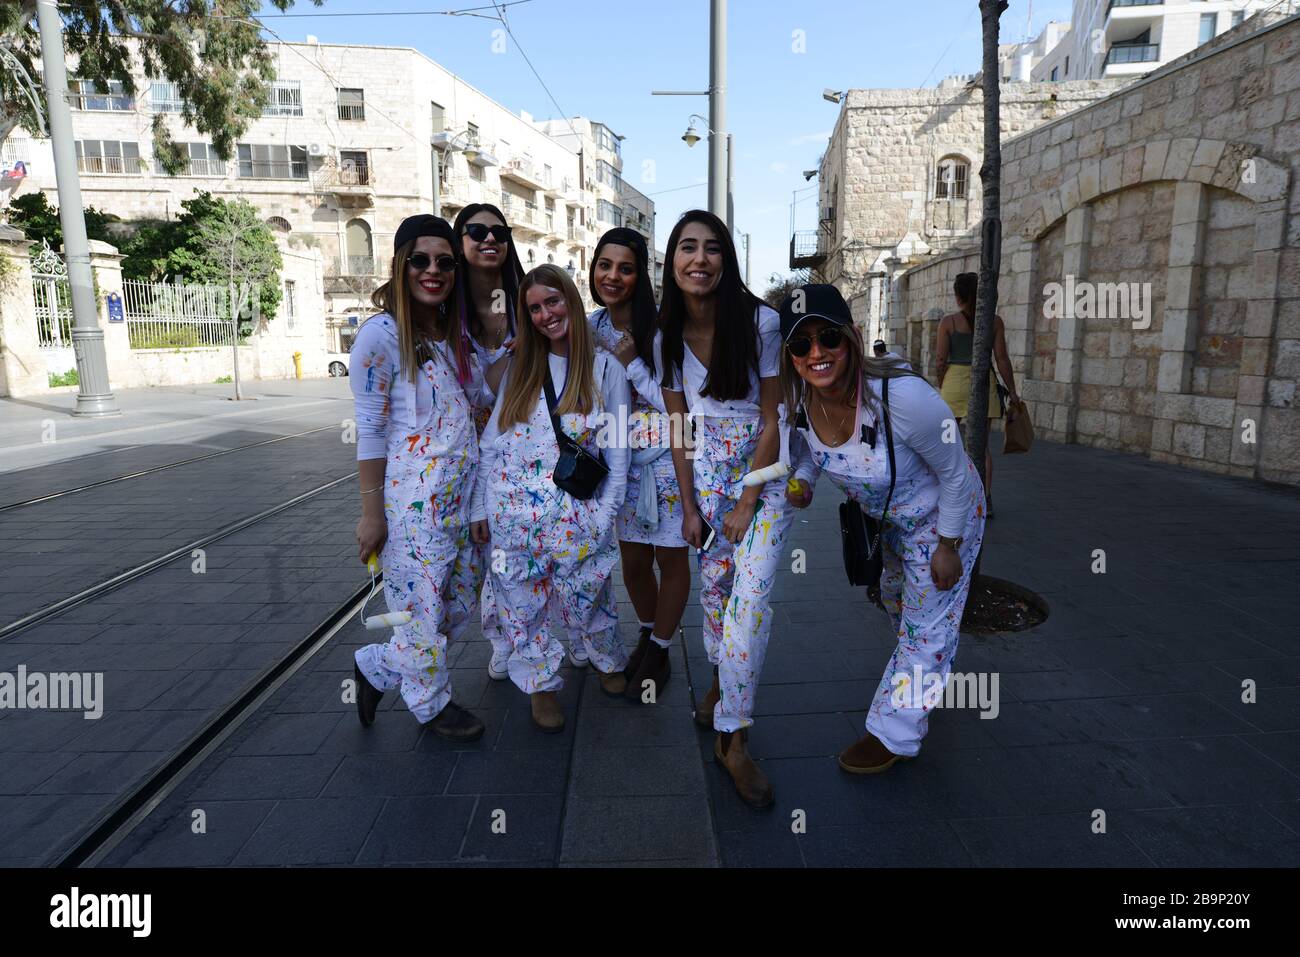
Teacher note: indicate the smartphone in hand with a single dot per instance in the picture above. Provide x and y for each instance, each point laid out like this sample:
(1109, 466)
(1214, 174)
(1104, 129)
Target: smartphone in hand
(707, 536)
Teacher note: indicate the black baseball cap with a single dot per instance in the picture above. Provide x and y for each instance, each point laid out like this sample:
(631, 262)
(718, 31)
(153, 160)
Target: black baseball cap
(813, 301)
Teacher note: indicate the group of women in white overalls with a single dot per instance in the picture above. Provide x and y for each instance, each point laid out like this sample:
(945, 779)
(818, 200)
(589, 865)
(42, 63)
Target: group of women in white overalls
(512, 450)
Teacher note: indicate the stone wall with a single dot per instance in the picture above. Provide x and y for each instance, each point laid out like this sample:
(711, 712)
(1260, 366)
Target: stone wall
(1181, 186)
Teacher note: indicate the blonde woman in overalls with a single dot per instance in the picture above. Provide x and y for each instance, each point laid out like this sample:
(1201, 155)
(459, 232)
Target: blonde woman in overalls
(552, 551)
(412, 377)
(845, 407)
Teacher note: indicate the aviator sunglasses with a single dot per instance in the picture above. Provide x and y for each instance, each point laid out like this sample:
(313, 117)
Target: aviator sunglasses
(829, 339)
(479, 232)
(420, 262)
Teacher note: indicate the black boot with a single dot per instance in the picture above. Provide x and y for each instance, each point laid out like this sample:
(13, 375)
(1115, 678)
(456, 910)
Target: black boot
(634, 659)
(456, 724)
(655, 667)
(368, 697)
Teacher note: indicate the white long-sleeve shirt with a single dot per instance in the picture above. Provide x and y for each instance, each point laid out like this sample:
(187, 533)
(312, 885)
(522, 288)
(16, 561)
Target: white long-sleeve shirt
(385, 399)
(645, 384)
(933, 467)
(615, 403)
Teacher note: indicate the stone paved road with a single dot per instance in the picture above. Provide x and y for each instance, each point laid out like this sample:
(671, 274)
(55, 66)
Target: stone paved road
(1128, 700)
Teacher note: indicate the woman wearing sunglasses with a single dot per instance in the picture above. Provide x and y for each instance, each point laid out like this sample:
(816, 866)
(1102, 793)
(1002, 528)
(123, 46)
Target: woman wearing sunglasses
(413, 379)
(650, 521)
(721, 358)
(557, 548)
(486, 298)
(935, 519)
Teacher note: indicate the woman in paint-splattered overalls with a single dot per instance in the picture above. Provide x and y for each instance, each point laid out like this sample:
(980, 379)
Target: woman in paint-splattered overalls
(412, 376)
(485, 300)
(650, 521)
(935, 522)
(720, 352)
(552, 551)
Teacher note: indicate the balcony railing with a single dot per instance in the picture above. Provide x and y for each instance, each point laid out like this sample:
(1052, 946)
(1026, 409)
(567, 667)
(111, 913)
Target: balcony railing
(806, 249)
(1133, 3)
(108, 164)
(352, 173)
(102, 102)
(352, 111)
(1133, 53)
(197, 167)
(273, 169)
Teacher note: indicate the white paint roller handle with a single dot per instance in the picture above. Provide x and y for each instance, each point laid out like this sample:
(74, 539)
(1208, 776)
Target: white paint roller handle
(764, 475)
(391, 619)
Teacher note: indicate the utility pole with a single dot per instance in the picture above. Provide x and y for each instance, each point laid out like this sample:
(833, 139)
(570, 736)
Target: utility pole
(93, 394)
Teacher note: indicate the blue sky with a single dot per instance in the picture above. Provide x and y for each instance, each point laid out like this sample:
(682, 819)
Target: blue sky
(601, 58)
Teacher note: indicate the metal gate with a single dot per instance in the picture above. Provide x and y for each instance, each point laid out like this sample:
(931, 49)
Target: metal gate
(52, 297)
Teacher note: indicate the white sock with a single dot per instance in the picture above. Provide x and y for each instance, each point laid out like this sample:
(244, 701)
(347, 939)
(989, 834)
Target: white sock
(661, 642)
(646, 624)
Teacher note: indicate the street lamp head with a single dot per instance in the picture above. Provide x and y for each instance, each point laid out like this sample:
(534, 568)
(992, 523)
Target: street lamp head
(832, 96)
(690, 136)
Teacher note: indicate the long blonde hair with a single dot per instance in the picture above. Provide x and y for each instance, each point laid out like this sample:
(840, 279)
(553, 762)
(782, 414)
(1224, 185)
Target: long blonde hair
(529, 366)
(394, 298)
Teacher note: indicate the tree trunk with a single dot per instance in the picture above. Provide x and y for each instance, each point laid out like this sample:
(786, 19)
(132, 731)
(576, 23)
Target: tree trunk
(986, 301)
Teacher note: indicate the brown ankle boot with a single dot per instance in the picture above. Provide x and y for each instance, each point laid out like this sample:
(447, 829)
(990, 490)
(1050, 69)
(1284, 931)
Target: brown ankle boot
(655, 668)
(704, 710)
(634, 659)
(868, 756)
(732, 751)
(614, 683)
(547, 713)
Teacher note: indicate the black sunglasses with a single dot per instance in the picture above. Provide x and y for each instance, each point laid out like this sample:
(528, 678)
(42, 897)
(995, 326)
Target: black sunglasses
(420, 262)
(829, 339)
(479, 232)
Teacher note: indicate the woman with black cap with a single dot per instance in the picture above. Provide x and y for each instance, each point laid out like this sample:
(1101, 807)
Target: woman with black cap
(485, 301)
(650, 521)
(886, 439)
(413, 379)
(721, 350)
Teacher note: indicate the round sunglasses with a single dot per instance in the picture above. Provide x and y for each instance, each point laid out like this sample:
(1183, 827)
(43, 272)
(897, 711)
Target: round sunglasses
(829, 339)
(479, 232)
(420, 262)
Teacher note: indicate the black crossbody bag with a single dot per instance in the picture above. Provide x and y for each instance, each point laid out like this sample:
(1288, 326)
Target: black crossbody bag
(577, 471)
(860, 534)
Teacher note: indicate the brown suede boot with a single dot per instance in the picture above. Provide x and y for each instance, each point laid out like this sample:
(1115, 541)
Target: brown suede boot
(547, 713)
(704, 710)
(614, 683)
(868, 756)
(732, 751)
(655, 668)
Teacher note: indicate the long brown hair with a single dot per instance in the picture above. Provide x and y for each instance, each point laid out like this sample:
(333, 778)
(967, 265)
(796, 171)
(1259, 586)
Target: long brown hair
(394, 298)
(862, 368)
(529, 366)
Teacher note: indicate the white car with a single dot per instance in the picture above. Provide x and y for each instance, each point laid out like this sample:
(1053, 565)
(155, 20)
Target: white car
(336, 363)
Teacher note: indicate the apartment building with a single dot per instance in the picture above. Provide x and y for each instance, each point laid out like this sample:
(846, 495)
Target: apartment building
(1115, 38)
(353, 140)
(613, 200)
(1019, 61)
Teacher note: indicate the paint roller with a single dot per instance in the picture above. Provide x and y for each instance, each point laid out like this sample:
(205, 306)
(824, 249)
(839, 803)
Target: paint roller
(774, 471)
(389, 619)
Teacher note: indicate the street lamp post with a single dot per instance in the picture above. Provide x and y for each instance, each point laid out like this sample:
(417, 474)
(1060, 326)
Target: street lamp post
(94, 396)
(719, 174)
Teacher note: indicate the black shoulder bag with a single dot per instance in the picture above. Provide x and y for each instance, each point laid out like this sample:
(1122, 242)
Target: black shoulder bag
(577, 471)
(860, 533)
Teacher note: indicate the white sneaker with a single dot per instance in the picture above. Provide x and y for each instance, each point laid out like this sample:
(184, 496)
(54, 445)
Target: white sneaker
(497, 669)
(578, 654)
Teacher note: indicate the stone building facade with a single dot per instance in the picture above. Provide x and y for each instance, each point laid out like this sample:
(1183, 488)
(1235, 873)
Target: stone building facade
(1180, 189)
(899, 181)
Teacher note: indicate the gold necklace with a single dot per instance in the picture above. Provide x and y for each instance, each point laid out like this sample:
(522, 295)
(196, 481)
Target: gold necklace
(827, 416)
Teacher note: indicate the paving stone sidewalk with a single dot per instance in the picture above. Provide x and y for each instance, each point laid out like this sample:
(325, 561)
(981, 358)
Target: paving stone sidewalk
(1128, 701)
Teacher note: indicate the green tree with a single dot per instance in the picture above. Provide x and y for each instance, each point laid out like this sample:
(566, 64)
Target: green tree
(33, 214)
(211, 49)
(216, 242)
